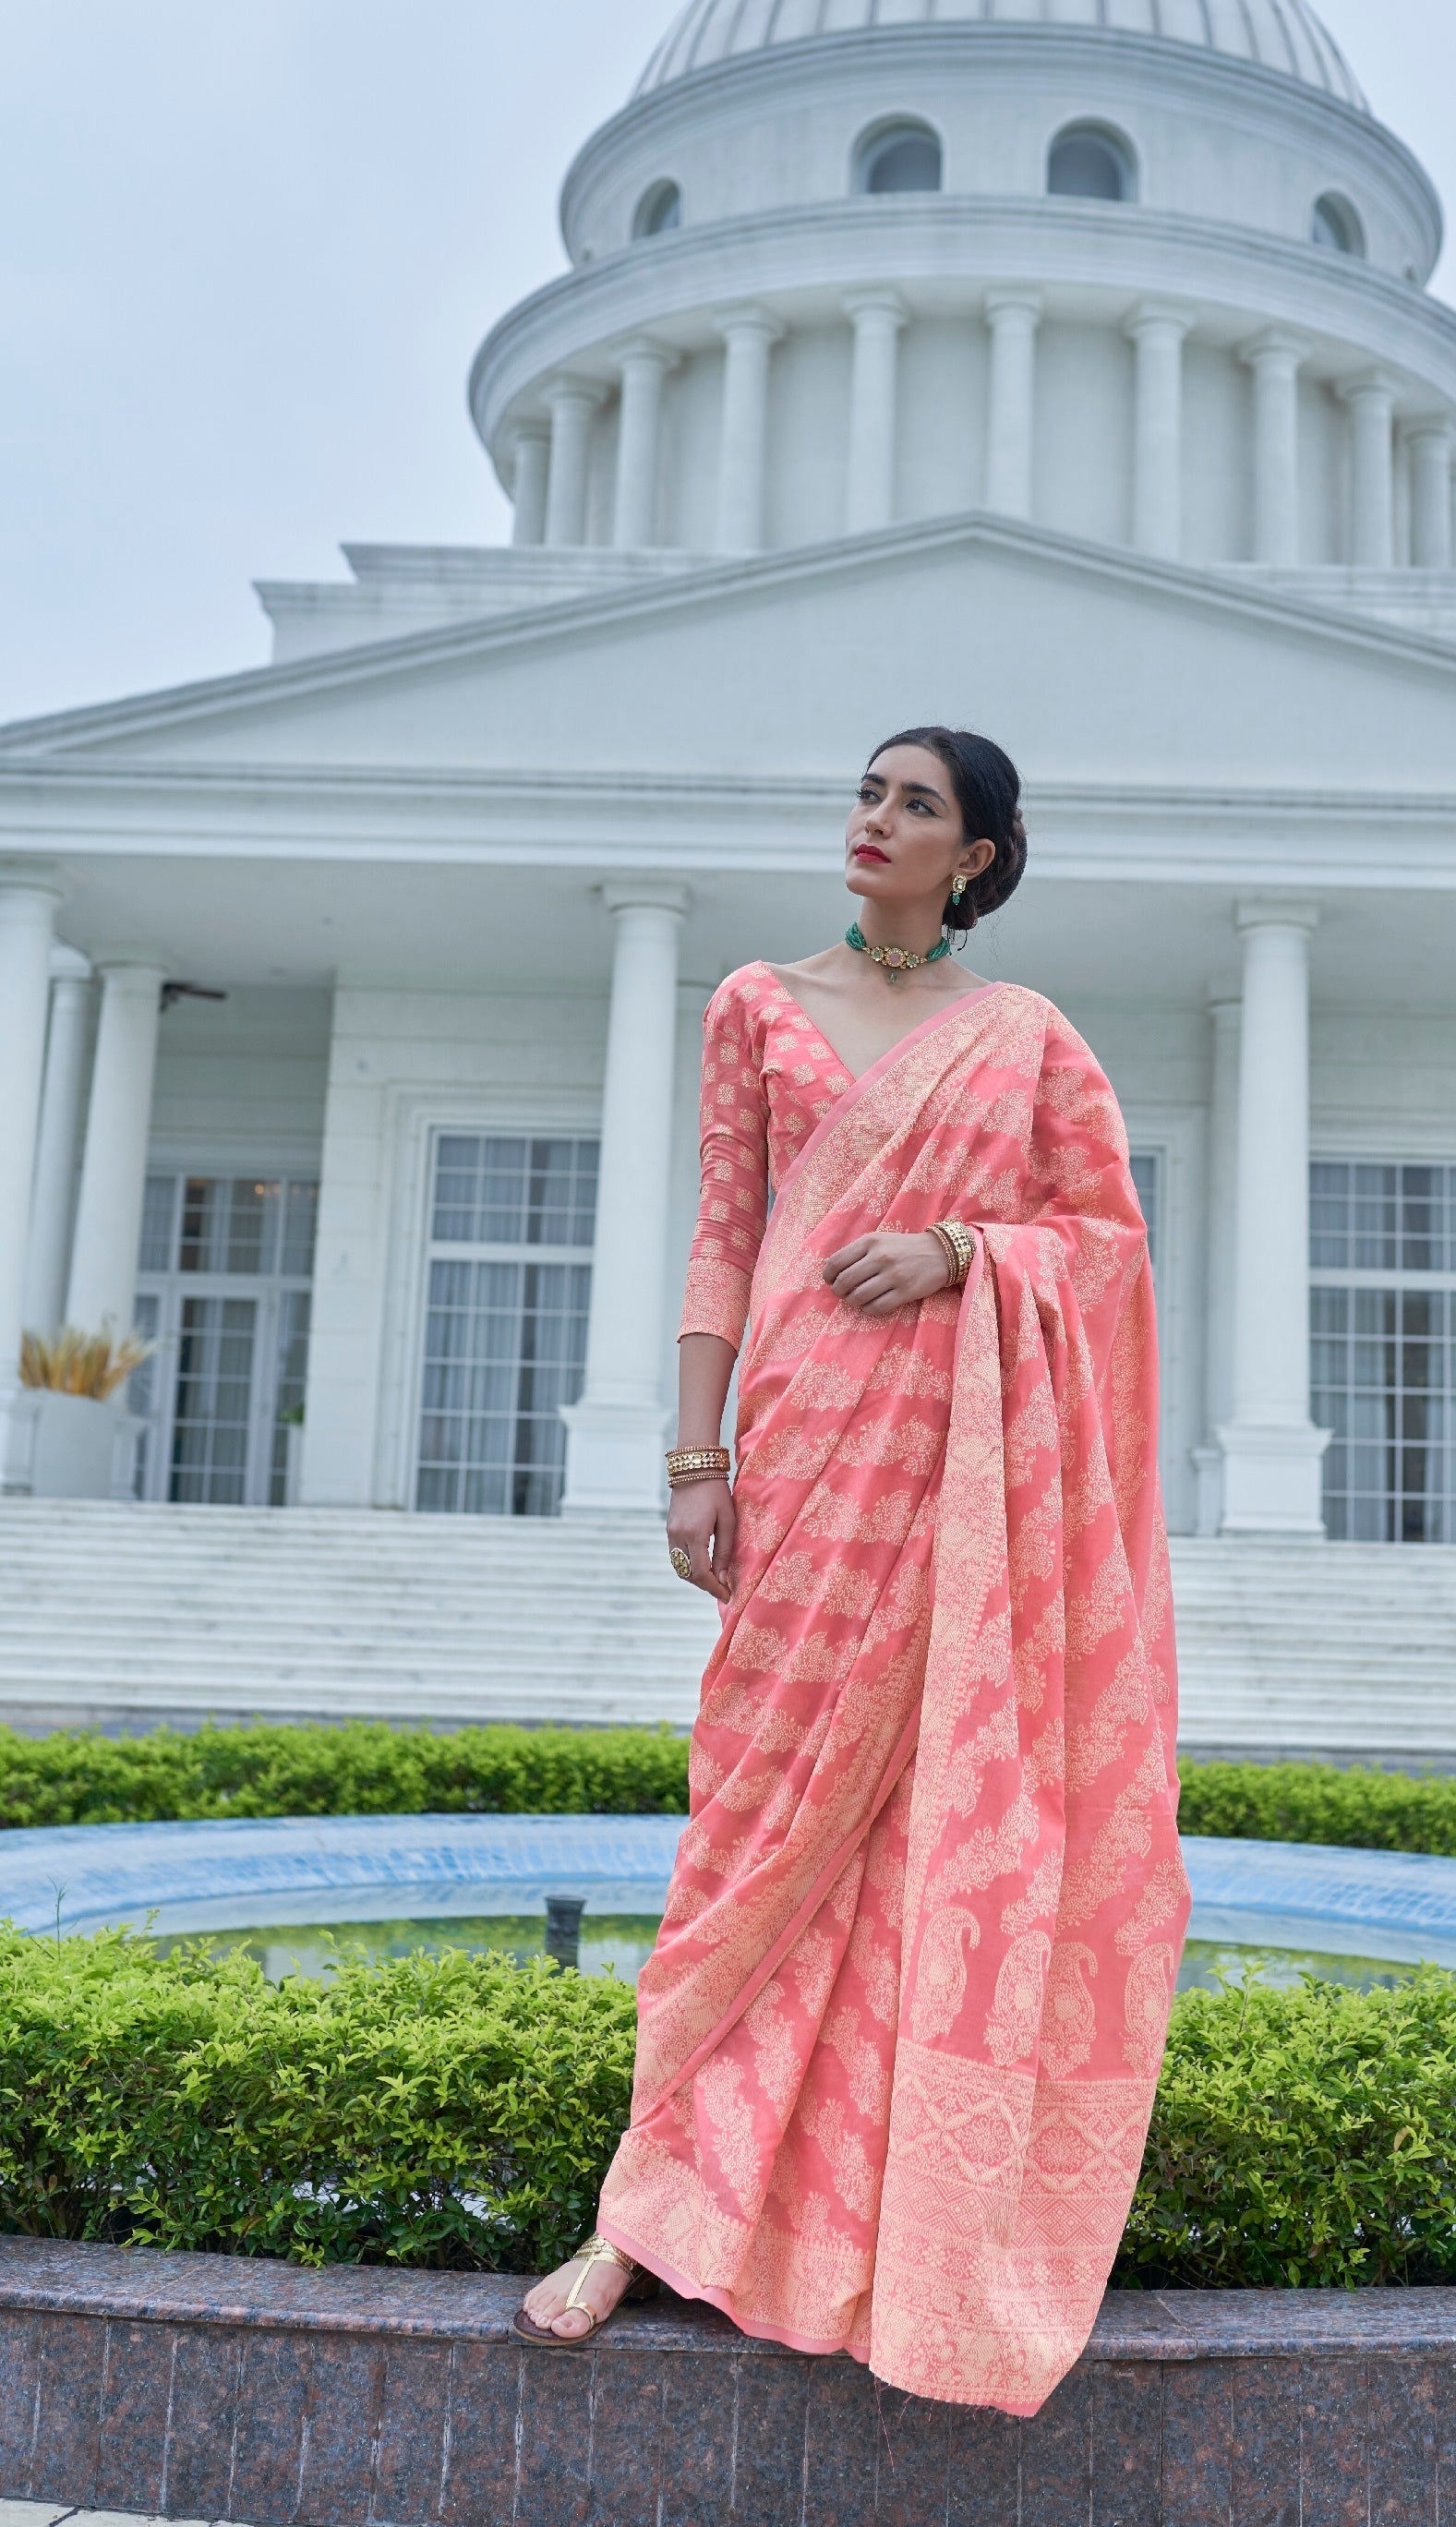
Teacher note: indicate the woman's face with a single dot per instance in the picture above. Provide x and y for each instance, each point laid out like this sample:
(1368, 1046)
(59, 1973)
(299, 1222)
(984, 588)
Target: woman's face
(906, 838)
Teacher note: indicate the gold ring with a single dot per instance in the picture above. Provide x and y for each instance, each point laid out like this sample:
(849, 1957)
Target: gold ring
(680, 1562)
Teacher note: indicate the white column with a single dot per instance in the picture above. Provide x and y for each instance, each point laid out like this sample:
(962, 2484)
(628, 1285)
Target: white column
(1271, 1450)
(1158, 333)
(61, 1099)
(615, 1434)
(749, 334)
(572, 403)
(1220, 1247)
(1431, 495)
(113, 1170)
(528, 479)
(1372, 405)
(29, 894)
(645, 365)
(1012, 317)
(877, 316)
(1276, 359)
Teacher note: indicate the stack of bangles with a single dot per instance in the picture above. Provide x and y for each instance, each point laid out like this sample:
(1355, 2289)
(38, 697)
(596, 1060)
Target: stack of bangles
(697, 1466)
(958, 1242)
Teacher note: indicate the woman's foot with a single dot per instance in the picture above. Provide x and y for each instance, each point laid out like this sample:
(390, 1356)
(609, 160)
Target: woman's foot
(600, 2290)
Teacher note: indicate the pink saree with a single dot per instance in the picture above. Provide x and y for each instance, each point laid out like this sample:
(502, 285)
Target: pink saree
(899, 2036)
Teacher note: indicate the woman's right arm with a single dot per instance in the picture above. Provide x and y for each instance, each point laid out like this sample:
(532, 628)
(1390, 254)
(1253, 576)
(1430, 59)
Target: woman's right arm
(731, 1218)
(700, 1516)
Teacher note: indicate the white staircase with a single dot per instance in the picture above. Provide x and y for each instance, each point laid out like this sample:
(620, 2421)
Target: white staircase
(114, 1614)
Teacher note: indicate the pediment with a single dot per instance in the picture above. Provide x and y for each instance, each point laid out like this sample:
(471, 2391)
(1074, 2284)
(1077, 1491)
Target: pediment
(1089, 664)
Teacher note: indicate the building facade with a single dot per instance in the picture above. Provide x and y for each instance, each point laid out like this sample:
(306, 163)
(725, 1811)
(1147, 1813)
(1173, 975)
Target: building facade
(1070, 371)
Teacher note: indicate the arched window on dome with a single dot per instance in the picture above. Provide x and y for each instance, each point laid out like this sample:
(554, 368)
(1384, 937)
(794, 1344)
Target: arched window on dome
(898, 158)
(1092, 163)
(1336, 224)
(660, 209)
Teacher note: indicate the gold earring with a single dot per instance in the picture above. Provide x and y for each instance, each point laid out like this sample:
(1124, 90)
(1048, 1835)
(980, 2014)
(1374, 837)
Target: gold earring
(958, 890)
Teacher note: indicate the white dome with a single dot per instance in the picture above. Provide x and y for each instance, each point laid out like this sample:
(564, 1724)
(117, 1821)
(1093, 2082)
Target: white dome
(1282, 36)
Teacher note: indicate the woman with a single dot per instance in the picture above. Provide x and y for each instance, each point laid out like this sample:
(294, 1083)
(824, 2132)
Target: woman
(899, 2036)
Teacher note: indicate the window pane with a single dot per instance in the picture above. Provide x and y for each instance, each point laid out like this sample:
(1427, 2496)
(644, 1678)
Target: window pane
(157, 1213)
(1369, 1216)
(1384, 1380)
(300, 1219)
(214, 1393)
(253, 1226)
(1145, 1176)
(292, 1380)
(204, 1203)
(504, 1341)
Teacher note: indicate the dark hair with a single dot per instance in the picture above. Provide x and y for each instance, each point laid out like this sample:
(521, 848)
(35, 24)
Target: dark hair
(988, 792)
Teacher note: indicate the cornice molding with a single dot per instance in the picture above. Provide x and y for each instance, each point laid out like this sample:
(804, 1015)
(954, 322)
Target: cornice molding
(665, 830)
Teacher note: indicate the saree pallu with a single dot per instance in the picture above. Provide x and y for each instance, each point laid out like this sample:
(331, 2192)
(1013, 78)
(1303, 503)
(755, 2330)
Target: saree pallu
(899, 2037)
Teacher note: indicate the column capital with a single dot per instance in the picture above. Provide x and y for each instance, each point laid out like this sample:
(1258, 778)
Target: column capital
(536, 425)
(1224, 1005)
(1427, 426)
(128, 955)
(880, 301)
(1275, 343)
(1013, 301)
(1160, 315)
(756, 324)
(1375, 385)
(646, 895)
(1275, 913)
(643, 353)
(589, 392)
(21, 875)
(68, 964)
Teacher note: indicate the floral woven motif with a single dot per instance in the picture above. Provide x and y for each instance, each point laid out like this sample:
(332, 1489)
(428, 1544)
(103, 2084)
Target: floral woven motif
(899, 2036)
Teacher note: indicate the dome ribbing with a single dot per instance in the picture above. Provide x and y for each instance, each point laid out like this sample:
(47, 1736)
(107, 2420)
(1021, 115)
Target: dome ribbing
(1281, 35)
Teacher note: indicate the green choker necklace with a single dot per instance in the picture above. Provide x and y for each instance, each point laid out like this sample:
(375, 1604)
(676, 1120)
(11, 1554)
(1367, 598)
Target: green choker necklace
(894, 961)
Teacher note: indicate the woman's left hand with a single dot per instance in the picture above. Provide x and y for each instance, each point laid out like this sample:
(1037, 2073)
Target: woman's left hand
(883, 1272)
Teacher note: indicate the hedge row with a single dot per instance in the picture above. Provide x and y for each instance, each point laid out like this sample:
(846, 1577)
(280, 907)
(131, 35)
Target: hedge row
(1360, 1810)
(363, 1769)
(459, 2110)
(369, 1769)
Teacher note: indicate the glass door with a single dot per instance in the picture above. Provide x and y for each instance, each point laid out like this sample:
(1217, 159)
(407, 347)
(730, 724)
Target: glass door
(224, 1290)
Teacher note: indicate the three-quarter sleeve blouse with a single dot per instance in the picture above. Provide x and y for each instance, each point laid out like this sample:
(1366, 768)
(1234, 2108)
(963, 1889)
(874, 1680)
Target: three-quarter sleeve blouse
(769, 1077)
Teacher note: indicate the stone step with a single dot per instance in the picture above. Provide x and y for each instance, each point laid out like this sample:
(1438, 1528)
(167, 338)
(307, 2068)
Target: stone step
(109, 1610)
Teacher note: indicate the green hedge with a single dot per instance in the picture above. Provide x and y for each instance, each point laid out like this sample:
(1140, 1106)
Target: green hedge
(450, 2110)
(1302, 2137)
(369, 1769)
(460, 2110)
(1360, 1810)
(363, 1769)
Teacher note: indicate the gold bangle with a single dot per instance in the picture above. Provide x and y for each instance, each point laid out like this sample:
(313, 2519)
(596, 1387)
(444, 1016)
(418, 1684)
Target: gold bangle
(702, 1474)
(958, 1243)
(697, 1461)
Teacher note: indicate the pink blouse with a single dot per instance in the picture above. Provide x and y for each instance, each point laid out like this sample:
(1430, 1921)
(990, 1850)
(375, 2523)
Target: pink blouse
(769, 1077)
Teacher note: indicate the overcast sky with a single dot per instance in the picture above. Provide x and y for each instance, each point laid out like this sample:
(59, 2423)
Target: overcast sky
(250, 248)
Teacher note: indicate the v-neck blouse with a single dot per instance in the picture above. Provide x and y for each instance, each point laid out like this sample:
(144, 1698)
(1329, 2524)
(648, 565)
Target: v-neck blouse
(769, 1077)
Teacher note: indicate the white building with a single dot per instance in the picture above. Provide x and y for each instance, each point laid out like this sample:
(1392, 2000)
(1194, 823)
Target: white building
(1066, 367)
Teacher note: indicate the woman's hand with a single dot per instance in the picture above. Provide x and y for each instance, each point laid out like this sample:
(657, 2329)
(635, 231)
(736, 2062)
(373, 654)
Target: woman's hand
(701, 1520)
(886, 1271)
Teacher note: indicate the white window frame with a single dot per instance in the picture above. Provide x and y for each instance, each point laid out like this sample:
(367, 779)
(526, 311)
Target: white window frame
(1393, 1147)
(413, 1118)
(173, 1286)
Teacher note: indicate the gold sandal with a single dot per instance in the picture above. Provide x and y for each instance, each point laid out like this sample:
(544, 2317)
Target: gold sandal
(591, 2251)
